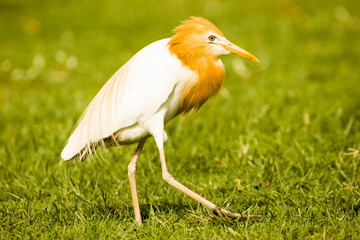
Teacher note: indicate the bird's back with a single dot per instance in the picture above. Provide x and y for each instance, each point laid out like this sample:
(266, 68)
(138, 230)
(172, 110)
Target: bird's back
(148, 81)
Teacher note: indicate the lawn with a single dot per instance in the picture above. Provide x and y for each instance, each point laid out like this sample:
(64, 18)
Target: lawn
(282, 136)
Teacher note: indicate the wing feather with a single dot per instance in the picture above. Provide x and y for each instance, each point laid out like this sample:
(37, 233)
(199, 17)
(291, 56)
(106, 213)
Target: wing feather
(133, 94)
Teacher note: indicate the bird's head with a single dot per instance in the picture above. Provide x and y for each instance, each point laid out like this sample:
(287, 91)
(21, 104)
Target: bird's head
(198, 37)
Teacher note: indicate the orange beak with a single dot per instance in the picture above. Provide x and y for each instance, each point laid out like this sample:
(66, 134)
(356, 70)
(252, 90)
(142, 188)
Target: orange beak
(239, 51)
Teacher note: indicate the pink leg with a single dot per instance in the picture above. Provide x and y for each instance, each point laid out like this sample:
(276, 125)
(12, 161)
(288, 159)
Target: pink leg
(132, 179)
(173, 182)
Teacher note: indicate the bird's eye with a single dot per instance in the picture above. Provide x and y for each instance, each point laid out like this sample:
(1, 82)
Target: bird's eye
(212, 38)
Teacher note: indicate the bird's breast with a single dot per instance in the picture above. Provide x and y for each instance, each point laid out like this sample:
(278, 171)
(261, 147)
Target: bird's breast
(210, 75)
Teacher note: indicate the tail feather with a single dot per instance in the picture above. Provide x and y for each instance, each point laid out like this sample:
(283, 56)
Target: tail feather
(70, 153)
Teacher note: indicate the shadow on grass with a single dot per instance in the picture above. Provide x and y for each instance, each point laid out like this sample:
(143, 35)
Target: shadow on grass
(147, 210)
(176, 212)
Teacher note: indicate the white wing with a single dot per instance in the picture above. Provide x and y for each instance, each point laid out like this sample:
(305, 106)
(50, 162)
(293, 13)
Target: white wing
(136, 91)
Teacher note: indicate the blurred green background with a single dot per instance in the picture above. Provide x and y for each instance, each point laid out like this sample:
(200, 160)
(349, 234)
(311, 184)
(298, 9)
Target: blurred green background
(283, 136)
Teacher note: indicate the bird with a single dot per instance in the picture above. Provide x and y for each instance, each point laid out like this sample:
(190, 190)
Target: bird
(167, 78)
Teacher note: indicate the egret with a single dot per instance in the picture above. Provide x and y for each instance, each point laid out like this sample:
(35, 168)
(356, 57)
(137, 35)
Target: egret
(169, 77)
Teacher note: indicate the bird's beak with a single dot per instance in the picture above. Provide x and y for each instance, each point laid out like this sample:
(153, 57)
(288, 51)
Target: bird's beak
(239, 51)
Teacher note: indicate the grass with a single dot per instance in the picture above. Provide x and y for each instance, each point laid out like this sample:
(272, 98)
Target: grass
(282, 137)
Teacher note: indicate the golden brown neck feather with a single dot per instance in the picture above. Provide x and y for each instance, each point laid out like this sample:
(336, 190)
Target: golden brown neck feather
(189, 46)
(210, 76)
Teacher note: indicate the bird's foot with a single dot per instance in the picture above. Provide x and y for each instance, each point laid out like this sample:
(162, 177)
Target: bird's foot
(220, 212)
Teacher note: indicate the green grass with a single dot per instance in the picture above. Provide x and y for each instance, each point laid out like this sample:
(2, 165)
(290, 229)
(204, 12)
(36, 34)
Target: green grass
(282, 137)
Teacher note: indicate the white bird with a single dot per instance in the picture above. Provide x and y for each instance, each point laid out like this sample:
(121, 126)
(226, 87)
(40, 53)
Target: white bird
(166, 78)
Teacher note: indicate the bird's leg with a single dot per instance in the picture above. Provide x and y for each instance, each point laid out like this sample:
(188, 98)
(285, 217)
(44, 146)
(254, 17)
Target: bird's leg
(171, 180)
(132, 179)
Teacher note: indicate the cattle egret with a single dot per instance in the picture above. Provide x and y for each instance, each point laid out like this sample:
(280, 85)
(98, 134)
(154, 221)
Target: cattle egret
(166, 78)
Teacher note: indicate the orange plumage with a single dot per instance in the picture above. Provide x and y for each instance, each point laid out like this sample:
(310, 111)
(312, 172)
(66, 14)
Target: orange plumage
(194, 54)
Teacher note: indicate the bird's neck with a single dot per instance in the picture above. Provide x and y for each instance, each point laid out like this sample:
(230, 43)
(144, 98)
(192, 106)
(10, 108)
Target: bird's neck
(210, 73)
